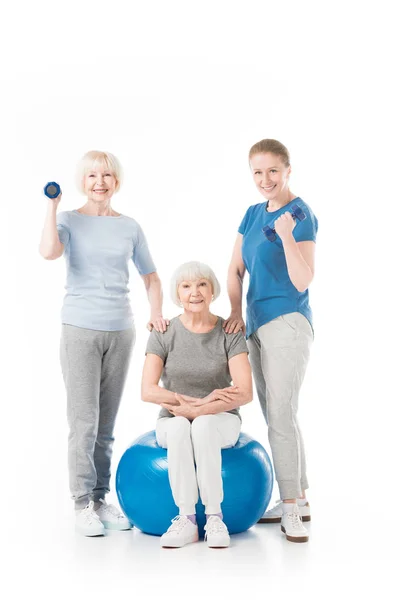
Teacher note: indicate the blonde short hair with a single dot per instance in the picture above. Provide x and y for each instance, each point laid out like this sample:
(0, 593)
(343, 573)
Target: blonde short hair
(189, 272)
(95, 157)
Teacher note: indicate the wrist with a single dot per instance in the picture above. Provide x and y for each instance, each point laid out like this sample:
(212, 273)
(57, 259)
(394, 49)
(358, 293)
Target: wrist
(155, 315)
(288, 239)
(52, 206)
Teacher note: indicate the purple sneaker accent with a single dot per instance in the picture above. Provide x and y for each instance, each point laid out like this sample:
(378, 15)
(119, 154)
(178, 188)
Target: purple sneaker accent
(215, 515)
(192, 518)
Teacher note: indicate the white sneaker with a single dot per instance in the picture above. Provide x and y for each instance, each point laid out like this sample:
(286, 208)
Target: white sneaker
(292, 526)
(87, 522)
(181, 532)
(111, 517)
(274, 515)
(217, 535)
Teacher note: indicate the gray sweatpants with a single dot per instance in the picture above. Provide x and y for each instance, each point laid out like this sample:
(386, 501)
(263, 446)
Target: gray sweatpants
(279, 353)
(94, 365)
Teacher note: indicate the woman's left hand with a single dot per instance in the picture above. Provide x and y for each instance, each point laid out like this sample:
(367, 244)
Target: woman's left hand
(159, 323)
(184, 409)
(284, 225)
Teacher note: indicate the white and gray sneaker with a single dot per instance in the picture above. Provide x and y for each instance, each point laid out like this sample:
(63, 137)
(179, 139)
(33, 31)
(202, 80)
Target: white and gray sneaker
(87, 521)
(111, 517)
(181, 532)
(292, 526)
(274, 515)
(216, 535)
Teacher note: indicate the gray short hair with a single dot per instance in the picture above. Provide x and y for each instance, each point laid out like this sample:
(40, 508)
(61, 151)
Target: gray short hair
(94, 157)
(190, 271)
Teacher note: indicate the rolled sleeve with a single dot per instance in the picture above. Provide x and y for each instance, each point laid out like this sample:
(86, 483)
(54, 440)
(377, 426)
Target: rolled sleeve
(306, 231)
(156, 346)
(235, 344)
(243, 225)
(141, 255)
(63, 228)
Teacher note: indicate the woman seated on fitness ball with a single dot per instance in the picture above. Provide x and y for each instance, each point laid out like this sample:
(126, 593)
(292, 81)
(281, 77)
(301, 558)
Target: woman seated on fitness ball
(197, 363)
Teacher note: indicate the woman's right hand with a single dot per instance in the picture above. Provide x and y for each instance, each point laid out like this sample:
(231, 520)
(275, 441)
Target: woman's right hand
(234, 323)
(228, 394)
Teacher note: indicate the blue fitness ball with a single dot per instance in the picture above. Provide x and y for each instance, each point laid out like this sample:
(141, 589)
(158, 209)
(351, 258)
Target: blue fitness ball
(145, 495)
(52, 189)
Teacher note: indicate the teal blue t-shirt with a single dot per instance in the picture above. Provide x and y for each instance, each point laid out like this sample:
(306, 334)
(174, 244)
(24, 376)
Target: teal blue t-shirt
(97, 251)
(271, 293)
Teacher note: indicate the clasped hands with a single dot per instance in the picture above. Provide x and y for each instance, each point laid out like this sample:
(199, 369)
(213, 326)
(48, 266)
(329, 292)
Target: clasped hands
(189, 407)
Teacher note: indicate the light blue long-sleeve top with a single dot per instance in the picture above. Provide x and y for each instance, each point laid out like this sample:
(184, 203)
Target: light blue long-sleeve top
(97, 252)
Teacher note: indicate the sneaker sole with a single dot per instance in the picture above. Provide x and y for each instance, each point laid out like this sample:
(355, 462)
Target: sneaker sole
(279, 519)
(89, 534)
(181, 546)
(219, 545)
(169, 545)
(222, 543)
(294, 539)
(116, 527)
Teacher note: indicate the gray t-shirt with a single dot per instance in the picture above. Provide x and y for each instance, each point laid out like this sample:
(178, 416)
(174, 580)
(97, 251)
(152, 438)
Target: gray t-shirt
(195, 364)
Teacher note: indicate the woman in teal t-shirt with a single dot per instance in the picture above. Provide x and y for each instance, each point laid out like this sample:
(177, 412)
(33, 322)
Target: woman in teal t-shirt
(279, 320)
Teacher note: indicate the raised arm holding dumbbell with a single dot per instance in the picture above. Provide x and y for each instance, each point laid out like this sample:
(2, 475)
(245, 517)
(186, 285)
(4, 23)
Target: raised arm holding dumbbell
(297, 261)
(50, 246)
(279, 319)
(98, 333)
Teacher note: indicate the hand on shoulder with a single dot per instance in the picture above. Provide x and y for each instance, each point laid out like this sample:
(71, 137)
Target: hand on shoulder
(234, 323)
(158, 323)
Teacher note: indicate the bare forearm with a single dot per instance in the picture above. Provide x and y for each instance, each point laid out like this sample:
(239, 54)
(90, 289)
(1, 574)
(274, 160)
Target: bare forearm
(50, 246)
(299, 272)
(159, 395)
(218, 406)
(235, 291)
(154, 294)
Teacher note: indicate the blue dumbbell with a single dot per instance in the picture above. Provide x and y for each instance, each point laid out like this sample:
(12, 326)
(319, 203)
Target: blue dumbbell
(296, 213)
(52, 189)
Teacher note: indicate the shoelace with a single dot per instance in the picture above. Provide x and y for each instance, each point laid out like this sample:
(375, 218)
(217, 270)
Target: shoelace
(88, 512)
(112, 510)
(295, 520)
(214, 525)
(178, 523)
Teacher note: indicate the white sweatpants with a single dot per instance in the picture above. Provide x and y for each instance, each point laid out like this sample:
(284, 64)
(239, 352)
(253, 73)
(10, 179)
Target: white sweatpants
(194, 457)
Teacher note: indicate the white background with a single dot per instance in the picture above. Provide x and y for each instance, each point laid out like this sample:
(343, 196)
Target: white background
(179, 91)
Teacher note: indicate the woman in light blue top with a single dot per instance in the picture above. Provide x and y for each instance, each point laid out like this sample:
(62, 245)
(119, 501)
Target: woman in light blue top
(279, 319)
(97, 328)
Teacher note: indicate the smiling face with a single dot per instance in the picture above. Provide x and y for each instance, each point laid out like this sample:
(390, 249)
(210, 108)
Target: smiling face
(270, 175)
(196, 295)
(99, 183)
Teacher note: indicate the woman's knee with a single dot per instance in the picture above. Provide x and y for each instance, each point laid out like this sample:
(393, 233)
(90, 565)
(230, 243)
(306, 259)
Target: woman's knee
(178, 428)
(282, 421)
(204, 426)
